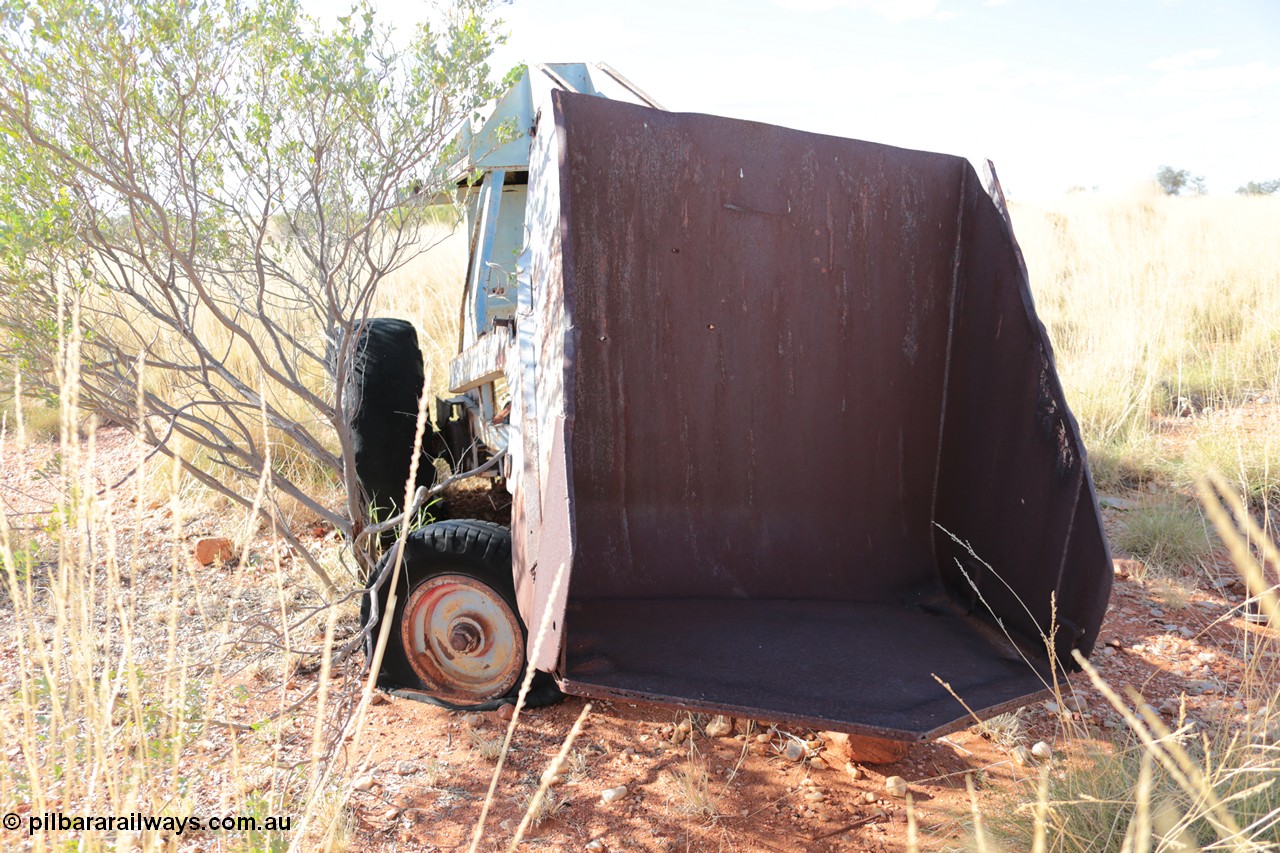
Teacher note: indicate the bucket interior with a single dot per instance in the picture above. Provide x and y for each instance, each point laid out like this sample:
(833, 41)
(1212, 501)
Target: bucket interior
(804, 372)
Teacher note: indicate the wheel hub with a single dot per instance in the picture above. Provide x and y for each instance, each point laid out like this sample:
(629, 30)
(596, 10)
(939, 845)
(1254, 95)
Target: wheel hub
(462, 639)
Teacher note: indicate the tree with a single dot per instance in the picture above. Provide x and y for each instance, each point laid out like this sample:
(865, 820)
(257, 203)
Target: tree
(1175, 181)
(1259, 188)
(212, 191)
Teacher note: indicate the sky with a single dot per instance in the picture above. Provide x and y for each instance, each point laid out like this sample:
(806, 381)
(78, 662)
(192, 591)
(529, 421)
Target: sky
(1059, 95)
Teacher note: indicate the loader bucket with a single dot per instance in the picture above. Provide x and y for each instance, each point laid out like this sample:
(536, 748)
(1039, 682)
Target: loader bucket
(795, 435)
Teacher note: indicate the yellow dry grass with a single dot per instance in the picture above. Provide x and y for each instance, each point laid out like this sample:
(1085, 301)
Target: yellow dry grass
(1156, 305)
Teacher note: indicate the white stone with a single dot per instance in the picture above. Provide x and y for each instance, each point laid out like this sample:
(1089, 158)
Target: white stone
(1042, 750)
(720, 726)
(612, 795)
(896, 786)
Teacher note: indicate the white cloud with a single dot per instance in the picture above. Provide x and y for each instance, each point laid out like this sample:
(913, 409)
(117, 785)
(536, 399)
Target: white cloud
(1182, 60)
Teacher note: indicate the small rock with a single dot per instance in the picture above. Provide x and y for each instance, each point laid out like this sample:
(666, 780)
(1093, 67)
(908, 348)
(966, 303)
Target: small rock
(1124, 569)
(390, 814)
(1021, 755)
(1115, 503)
(1042, 750)
(1052, 708)
(210, 549)
(595, 844)
(817, 763)
(612, 795)
(815, 796)
(720, 726)
(896, 786)
(475, 721)
(377, 697)
(865, 750)
(1076, 703)
(678, 736)
(868, 797)
(794, 751)
(1206, 657)
(506, 711)
(854, 771)
(1226, 583)
(744, 812)
(764, 738)
(363, 783)
(406, 768)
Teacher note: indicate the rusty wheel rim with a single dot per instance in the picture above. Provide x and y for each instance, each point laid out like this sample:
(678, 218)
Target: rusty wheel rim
(462, 639)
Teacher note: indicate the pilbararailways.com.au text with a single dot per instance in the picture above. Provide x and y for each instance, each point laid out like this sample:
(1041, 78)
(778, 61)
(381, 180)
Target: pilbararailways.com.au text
(138, 822)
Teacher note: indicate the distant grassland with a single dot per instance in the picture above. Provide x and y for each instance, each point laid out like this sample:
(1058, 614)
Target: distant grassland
(1157, 305)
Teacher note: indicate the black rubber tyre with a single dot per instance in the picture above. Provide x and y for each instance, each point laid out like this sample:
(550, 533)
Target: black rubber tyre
(386, 380)
(457, 585)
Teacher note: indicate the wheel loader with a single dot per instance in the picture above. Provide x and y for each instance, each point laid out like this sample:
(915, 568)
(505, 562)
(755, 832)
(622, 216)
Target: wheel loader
(782, 432)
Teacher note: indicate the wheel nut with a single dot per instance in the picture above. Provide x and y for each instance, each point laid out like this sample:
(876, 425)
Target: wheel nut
(464, 638)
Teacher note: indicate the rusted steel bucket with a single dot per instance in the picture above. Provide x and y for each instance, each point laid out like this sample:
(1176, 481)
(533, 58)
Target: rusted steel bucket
(792, 428)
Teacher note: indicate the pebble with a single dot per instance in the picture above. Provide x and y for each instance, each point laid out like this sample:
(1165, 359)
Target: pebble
(1042, 750)
(1076, 703)
(405, 768)
(896, 786)
(763, 738)
(794, 751)
(506, 712)
(612, 795)
(364, 783)
(212, 549)
(1207, 657)
(390, 814)
(596, 844)
(817, 763)
(720, 726)
(868, 797)
(1021, 755)
(475, 721)
(854, 771)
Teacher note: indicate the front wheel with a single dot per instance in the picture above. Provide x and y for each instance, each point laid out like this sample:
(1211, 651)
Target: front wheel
(457, 638)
